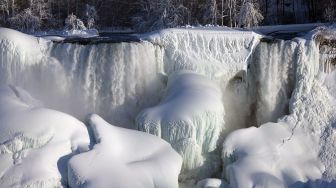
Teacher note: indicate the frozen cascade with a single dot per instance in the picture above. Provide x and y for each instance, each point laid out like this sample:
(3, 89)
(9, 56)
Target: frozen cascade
(300, 147)
(113, 80)
(328, 57)
(217, 54)
(271, 80)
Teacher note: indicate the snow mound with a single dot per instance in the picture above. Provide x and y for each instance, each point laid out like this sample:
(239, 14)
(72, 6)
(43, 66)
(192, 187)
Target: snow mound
(17, 47)
(212, 183)
(191, 118)
(258, 157)
(34, 138)
(124, 158)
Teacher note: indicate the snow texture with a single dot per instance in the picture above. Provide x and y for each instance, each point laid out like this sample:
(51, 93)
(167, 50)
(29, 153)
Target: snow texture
(34, 148)
(124, 158)
(191, 118)
(218, 53)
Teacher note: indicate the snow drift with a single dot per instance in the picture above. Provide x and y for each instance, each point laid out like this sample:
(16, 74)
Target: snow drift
(124, 158)
(33, 137)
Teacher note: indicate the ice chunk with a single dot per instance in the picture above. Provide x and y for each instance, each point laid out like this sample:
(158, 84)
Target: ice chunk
(124, 158)
(35, 138)
(191, 118)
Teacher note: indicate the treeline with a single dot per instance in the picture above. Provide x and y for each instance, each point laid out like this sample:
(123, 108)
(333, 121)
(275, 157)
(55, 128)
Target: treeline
(145, 15)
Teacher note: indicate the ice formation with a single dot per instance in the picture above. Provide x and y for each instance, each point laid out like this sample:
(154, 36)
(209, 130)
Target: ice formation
(298, 150)
(119, 79)
(191, 118)
(34, 148)
(290, 83)
(218, 54)
(124, 158)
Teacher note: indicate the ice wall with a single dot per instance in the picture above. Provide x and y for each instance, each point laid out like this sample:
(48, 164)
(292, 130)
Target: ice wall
(216, 53)
(114, 80)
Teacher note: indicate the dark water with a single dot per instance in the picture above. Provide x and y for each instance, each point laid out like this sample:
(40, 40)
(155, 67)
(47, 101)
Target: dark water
(104, 38)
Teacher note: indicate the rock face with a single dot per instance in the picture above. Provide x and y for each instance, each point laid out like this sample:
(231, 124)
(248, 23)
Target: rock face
(32, 137)
(190, 118)
(124, 158)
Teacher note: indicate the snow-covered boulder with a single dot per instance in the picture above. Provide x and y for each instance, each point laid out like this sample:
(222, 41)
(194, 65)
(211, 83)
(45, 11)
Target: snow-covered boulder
(191, 118)
(269, 156)
(35, 143)
(124, 158)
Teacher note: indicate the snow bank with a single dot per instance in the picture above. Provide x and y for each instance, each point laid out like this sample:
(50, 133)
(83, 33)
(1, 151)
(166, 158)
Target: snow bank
(34, 146)
(124, 158)
(191, 118)
(18, 50)
(258, 157)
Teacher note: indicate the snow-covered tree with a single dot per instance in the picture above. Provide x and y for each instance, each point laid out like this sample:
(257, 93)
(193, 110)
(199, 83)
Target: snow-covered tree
(90, 16)
(25, 21)
(210, 12)
(74, 23)
(157, 14)
(249, 15)
(232, 11)
(40, 8)
(330, 14)
(4, 7)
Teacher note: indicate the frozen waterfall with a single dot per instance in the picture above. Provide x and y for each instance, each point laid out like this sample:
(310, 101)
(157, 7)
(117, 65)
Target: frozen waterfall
(193, 88)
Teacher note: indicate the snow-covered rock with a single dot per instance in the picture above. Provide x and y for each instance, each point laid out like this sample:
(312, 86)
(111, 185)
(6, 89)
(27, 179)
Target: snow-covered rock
(124, 158)
(258, 157)
(191, 118)
(35, 142)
